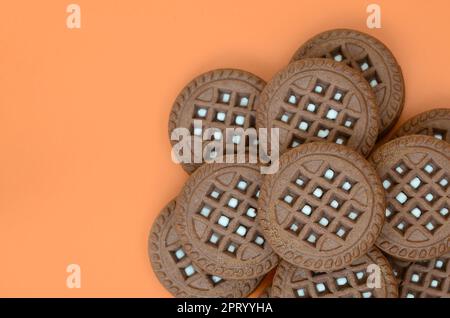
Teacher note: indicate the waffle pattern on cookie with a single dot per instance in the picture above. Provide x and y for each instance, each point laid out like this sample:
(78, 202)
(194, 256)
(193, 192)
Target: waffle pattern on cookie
(320, 100)
(216, 221)
(415, 172)
(176, 270)
(355, 281)
(411, 186)
(369, 56)
(228, 212)
(319, 112)
(323, 209)
(430, 279)
(322, 205)
(218, 100)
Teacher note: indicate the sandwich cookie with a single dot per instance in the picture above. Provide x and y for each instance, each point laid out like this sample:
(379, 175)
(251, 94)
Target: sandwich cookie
(175, 269)
(323, 209)
(435, 123)
(220, 99)
(372, 59)
(415, 172)
(354, 281)
(215, 218)
(428, 279)
(320, 100)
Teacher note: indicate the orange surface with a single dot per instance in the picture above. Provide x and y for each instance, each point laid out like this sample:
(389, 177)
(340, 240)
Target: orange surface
(85, 158)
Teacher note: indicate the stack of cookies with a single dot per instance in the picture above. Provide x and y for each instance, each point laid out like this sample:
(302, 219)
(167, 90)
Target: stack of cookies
(343, 215)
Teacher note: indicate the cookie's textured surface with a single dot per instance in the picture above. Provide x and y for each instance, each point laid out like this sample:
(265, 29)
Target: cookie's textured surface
(320, 100)
(399, 267)
(292, 282)
(434, 123)
(415, 171)
(216, 221)
(369, 56)
(224, 98)
(323, 209)
(178, 274)
(430, 279)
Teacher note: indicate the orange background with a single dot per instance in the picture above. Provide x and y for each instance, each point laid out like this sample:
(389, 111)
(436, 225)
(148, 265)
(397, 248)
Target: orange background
(85, 158)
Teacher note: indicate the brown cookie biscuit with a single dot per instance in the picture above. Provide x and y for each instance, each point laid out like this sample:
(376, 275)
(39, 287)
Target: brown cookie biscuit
(224, 98)
(178, 274)
(434, 123)
(370, 57)
(323, 209)
(429, 279)
(415, 171)
(216, 221)
(294, 282)
(399, 267)
(320, 100)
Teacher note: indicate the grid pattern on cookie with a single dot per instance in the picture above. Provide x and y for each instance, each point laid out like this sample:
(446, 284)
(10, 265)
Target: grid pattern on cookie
(321, 205)
(317, 113)
(430, 279)
(226, 109)
(350, 282)
(360, 62)
(417, 196)
(230, 214)
(190, 273)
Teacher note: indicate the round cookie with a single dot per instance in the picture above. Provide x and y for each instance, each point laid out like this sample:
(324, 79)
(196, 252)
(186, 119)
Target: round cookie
(370, 57)
(351, 282)
(320, 100)
(178, 274)
(434, 123)
(429, 279)
(324, 207)
(415, 172)
(216, 221)
(223, 98)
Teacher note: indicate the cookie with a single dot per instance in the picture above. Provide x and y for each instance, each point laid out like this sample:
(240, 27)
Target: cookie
(176, 271)
(323, 209)
(370, 57)
(415, 172)
(430, 279)
(216, 221)
(434, 123)
(320, 100)
(399, 267)
(224, 98)
(351, 282)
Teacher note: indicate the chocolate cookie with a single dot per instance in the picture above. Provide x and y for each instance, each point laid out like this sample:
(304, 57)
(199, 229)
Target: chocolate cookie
(224, 98)
(370, 57)
(216, 221)
(176, 271)
(320, 100)
(430, 279)
(434, 123)
(415, 171)
(351, 282)
(324, 207)
(399, 267)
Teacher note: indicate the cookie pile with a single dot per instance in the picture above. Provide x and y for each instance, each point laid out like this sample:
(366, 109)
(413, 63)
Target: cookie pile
(345, 214)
